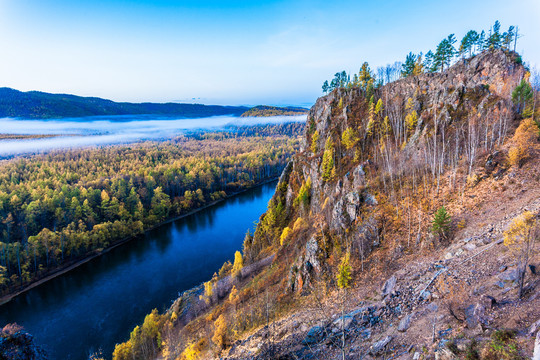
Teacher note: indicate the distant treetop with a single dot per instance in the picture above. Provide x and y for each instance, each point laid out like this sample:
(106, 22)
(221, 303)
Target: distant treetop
(265, 110)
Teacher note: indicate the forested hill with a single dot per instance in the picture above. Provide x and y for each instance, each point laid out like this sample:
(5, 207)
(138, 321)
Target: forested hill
(265, 110)
(41, 105)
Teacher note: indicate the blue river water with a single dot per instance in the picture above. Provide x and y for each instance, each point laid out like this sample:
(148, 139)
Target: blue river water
(97, 304)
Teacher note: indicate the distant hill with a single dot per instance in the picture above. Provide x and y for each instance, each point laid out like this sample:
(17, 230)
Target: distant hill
(41, 105)
(265, 110)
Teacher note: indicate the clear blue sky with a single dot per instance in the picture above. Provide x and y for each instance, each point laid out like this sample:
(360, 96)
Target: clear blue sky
(228, 52)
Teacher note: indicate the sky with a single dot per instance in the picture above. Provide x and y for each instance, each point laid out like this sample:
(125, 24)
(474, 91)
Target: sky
(229, 52)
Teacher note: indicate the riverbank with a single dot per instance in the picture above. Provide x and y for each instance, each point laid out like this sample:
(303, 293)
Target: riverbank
(72, 265)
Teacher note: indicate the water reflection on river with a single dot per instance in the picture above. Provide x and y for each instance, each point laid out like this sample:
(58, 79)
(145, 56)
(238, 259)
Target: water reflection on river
(97, 304)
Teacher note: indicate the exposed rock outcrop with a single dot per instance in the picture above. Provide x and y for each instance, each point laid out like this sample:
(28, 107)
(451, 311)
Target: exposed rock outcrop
(342, 202)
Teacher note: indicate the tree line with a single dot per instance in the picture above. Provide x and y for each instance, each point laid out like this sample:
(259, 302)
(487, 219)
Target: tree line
(433, 61)
(58, 208)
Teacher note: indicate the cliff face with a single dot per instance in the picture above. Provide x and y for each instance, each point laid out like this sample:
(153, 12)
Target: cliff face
(372, 171)
(460, 113)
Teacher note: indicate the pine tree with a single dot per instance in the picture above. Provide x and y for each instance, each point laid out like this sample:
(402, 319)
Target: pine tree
(481, 42)
(508, 37)
(365, 77)
(441, 223)
(328, 160)
(343, 281)
(409, 65)
(428, 61)
(344, 272)
(325, 87)
(522, 95)
(467, 43)
(444, 53)
(494, 40)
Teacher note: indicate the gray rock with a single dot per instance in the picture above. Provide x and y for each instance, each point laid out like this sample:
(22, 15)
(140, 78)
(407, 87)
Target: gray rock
(353, 202)
(370, 200)
(359, 176)
(342, 323)
(314, 335)
(425, 294)
(365, 334)
(508, 275)
(312, 247)
(534, 328)
(474, 315)
(338, 220)
(389, 286)
(379, 345)
(488, 302)
(416, 355)
(536, 354)
(405, 323)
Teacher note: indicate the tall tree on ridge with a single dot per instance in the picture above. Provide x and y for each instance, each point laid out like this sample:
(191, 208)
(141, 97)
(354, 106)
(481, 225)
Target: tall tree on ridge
(494, 39)
(444, 53)
(467, 43)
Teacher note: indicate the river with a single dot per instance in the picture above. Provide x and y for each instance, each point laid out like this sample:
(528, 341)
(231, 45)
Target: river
(97, 304)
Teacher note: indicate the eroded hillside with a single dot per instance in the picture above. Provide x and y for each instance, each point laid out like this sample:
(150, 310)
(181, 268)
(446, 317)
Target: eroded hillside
(346, 264)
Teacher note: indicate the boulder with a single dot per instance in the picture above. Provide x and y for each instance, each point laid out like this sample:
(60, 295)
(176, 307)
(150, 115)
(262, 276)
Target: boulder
(488, 302)
(314, 335)
(342, 323)
(509, 275)
(389, 286)
(475, 314)
(405, 323)
(379, 345)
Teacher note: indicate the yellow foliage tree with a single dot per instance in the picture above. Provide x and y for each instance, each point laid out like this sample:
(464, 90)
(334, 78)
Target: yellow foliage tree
(379, 107)
(238, 263)
(523, 140)
(233, 296)
(314, 139)
(123, 351)
(411, 120)
(191, 352)
(284, 235)
(328, 160)
(520, 238)
(344, 272)
(298, 224)
(220, 332)
(349, 138)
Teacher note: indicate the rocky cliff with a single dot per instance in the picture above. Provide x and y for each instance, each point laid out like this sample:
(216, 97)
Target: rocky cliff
(461, 113)
(373, 168)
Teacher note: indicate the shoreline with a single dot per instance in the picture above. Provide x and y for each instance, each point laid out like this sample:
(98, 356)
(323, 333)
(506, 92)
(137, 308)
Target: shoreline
(64, 269)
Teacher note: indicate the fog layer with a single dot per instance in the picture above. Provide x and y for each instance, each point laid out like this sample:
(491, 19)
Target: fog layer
(92, 131)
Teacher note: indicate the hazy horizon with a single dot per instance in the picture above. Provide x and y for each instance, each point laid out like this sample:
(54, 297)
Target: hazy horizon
(228, 52)
(110, 130)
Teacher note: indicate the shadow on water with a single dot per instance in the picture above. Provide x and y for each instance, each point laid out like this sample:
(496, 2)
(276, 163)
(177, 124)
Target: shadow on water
(98, 304)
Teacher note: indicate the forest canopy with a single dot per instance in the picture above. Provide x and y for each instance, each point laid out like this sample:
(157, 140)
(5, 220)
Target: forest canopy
(63, 206)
